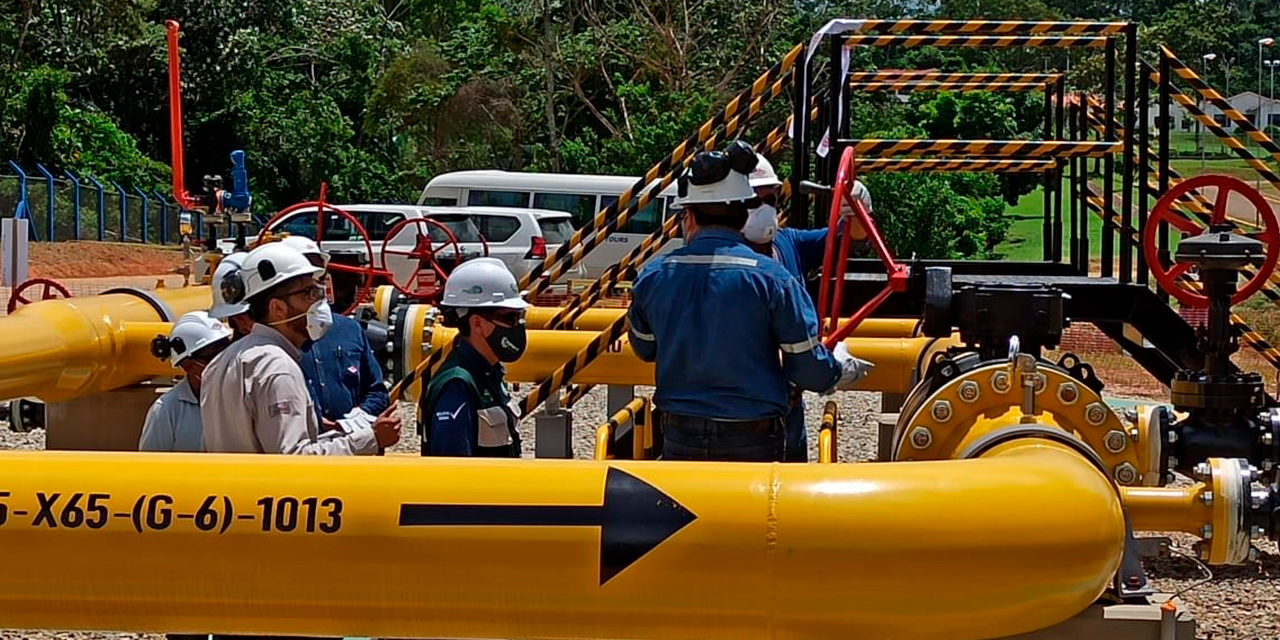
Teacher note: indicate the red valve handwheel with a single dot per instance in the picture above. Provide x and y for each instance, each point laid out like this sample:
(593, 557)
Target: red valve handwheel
(421, 285)
(368, 272)
(1164, 211)
(49, 290)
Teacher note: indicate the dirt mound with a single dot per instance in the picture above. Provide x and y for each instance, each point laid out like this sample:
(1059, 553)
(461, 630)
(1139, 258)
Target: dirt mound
(100, 259)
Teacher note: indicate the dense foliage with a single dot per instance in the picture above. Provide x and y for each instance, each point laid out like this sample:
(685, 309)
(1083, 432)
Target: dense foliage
(376, 96)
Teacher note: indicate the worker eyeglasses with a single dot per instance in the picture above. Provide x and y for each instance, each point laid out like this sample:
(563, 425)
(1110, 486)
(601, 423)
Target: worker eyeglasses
(313, 293)
(505, 318)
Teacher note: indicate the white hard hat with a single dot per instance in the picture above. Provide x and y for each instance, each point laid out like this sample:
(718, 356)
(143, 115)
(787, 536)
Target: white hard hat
(482, 282)
(306, 246)
(228, 300)
(191, 333)
(271, 264)
(764, 175)
(732, 166)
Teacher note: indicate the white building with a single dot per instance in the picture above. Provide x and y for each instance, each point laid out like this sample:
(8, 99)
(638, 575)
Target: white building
(1249, 103)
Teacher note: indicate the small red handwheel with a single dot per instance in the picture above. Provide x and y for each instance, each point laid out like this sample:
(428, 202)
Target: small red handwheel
(429, 276)
(49, 290)
(366, 273)
(1164, 211)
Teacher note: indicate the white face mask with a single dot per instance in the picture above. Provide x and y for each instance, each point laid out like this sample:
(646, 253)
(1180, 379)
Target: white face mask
(762, 224)
(319, 319)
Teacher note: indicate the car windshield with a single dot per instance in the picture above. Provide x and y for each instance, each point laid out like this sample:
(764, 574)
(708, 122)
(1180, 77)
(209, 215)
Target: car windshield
(462, 227)
(555, 230)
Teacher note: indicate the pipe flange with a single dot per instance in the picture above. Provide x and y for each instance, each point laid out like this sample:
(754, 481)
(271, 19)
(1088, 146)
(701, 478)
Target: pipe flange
(162, 309)
(1151, 443)
(990, 440)
(1230, 479)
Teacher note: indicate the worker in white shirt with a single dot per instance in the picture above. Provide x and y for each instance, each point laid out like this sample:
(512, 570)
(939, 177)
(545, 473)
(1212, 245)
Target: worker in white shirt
(255, 398)
(173, 422)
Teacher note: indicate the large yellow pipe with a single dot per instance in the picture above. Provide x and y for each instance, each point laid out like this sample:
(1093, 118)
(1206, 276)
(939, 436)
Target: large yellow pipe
(896, 359)
(709, 550)
(1184, 509)
(57, 350)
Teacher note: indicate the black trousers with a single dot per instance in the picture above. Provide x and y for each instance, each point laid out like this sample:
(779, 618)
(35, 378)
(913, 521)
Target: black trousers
(693, 438)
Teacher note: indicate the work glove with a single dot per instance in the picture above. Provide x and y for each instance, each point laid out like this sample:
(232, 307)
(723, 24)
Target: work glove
(860, 193)
(355, 420)
(852, 370)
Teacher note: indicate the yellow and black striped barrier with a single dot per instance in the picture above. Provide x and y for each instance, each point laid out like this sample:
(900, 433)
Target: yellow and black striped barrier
(986, 42)
(1003, 27)
(1213, 97)
(533, 281)
(911, 86)
(1007, 149)
(887, 165)
(937, 76)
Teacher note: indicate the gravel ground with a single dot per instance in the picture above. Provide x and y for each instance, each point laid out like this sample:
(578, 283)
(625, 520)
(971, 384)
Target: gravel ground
(1239, 603)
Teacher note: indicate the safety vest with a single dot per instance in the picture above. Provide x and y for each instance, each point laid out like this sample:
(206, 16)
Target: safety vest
(491, 404)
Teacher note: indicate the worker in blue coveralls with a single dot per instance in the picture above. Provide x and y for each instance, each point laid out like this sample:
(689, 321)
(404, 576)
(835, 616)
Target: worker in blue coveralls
(467, 409)
(729, 330)
(801, 251)
(342, 374)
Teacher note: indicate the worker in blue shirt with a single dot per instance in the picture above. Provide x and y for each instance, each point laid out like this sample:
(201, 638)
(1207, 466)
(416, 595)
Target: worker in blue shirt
(729, 329)
(801, 251)
(466, 409)
(342, 374)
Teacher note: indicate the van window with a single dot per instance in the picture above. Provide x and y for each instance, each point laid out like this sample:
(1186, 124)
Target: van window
(486, 198)
(556, 230)
(440, 202)
(496, 228)
(644, 221)
(581, 207)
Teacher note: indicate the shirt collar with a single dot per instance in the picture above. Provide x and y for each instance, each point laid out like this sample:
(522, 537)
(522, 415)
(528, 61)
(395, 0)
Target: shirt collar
(273, 335)
(718, 235)
(185, 392)
(471, 359)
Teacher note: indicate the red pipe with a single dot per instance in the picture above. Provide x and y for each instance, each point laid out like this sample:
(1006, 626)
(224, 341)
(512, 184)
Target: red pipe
(175, 117)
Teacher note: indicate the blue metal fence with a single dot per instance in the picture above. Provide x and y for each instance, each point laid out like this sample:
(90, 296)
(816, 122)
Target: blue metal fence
(70, 206)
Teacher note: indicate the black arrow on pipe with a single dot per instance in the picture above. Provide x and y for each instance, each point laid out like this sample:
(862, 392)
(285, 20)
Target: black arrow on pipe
(634, 518)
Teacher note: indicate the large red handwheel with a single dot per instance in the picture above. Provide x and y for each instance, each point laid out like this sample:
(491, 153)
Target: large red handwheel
(367, 272)
(429, 276)
(49, 290)
(1164, 211)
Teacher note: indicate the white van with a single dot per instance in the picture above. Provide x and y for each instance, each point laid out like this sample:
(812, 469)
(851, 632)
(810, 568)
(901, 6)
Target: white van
(581, 196)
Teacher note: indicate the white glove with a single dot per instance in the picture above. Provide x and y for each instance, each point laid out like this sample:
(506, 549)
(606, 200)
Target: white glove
(853, 370)
(355, 420)
(859, 193)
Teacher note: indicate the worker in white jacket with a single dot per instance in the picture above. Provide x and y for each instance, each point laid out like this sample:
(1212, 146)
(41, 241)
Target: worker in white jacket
(255, 398)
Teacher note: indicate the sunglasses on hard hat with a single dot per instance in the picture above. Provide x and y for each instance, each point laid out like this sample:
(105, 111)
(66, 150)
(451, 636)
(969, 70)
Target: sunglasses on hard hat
(710, 167)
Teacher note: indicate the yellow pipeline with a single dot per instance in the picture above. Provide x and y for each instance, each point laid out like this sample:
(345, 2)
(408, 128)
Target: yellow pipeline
(57, 350)
(827, 441)
(720, 551)
(1182, 509)
(896, 359)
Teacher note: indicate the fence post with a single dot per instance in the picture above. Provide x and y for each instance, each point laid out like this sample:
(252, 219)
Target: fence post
(164, 217)
(146, 211)
(102, 206)
(23, 210)
(50, 209)
(75, 203)
(124, 211)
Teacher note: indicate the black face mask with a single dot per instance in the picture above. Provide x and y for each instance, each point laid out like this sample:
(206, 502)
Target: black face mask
(508, 343)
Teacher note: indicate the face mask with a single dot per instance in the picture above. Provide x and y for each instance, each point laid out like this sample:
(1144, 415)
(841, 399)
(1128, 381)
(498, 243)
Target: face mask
(508, 343)
(319, 319)
(762, 225)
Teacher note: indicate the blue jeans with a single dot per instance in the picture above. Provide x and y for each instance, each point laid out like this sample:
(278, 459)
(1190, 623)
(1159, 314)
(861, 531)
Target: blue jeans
(797, 436)
(691, 438)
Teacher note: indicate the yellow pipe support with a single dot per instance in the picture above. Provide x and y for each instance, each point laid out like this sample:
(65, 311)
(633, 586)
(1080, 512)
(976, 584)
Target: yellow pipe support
(896, 359)
(629, 412)
(604, 439)
(554, 549)
(57, 350)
